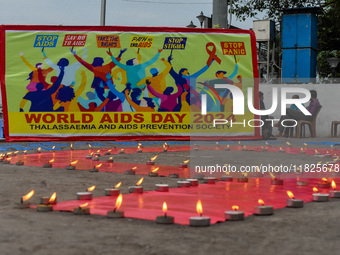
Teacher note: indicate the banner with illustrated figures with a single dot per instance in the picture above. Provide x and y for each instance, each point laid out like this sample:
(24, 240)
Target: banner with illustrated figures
(100, 83)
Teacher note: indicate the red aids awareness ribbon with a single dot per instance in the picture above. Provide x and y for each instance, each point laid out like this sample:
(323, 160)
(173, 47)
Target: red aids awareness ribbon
(212, 53)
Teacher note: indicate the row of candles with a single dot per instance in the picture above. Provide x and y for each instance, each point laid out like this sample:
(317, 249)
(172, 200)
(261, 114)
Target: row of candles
(47, 203)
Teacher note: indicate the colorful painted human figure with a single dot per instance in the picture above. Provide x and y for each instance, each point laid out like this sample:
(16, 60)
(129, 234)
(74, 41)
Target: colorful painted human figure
(168, 101)
(68, 98)
(40, 99)
(99, 70)
(135, 71)
(70, 70)
(147, 105)
(157, 80)
(38, 74)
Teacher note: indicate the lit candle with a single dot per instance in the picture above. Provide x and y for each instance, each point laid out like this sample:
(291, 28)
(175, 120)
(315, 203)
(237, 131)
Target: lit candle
(183, 184)
(86, 195)
(95, 158)
(48, 164)
(110, 160)
(137, 188)
(292, 202)
(131, 171)
(274, 180)
(89, 156)
(165, 147)
(47, 206)
(263, 148)
(39, 150)
(263, 209)
(113, 192)
(184, 164)
(327, 155)
(317, 153)
(116, 213)
(302, 151)
(281, 150)
(23, 204)
(244, 178)
(164, 219)
(244, 148)
(301, 183)
(324, 183)
(108, 152)
(71, 147)
(289, 145)
(153, 172)
(19, 163)
(121, 151)
(199, 221)
(227, 148)
(82, 209)
(53, 148)
(320, 197)
(174, 175)
(235, 214)
(152, 160)
(139, 148)
(96, 168)
(334, 193)
(162, 187)
(193, 182)
(209, 180)
(6, 161)
(258, 172)
(72, 165)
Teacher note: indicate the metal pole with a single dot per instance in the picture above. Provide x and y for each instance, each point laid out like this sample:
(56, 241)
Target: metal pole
(102, 13)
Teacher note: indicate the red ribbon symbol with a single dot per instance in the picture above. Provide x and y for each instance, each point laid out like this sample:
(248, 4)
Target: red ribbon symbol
(212, 53)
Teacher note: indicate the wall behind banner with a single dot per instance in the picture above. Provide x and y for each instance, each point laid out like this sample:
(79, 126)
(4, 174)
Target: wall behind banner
(155, 89)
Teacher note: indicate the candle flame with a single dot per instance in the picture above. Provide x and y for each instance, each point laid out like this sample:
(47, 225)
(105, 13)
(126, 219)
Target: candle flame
(121, 149)
(139, 147)
(272, 175)
(53, 147)
(16, 152)
(153, 159)
(118, 185)
(267, 143)
(28, 196)
(316, 151)
(83, 205)
(165, 146)
(8, 159)
(109, 150)
(51, 161)
(98, 151)
(165, 207)
(186, 161)
(333, 184)
(315, 189)
(235, 207)
(325, 179)
(245, 175)
(39, 149)
(301, 149)
(227, 145)
(140, 181)
(99, 165)
(52, 198)
(91, 188)
(134, 168)
(199, 207)
(119, 201)
(290, 194)
(25, 151)
(71, 145)
(305, 144)
(288, 143)
(110, 157)
(73, 163)
(90, 146)
(280, 148)
(155, 170)
(261, 202)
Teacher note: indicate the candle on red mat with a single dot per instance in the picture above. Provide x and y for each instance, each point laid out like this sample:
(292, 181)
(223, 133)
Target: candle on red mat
(319, 197)
(274, 180)
(23, 201)
(324, 183)
(165, 219)
(121, 151)
(140, 148)
(116, 213)
(165, 147)
(113, 192)
(292, 202)
(137, 188)
(184, 164)
(48, 207)
(235, 214)
(82, 209)
(199, 221)
(334, 193)
(96, 168)
(72, 165)
(153, 172)
(263, 209)
(131, 171)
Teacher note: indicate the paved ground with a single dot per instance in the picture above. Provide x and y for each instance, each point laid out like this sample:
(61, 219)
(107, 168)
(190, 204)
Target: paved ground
(313, 229)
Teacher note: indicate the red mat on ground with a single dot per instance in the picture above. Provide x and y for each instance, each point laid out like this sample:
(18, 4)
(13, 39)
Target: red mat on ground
(216, 199)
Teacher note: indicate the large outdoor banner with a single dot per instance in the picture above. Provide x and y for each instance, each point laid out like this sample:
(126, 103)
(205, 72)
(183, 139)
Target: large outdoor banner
(125, 82)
